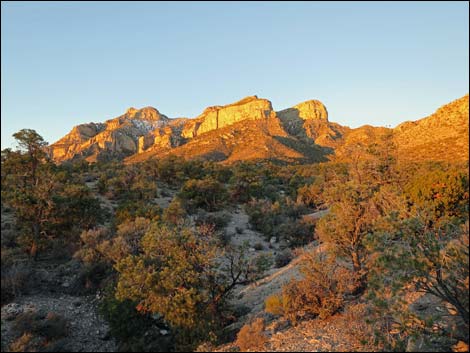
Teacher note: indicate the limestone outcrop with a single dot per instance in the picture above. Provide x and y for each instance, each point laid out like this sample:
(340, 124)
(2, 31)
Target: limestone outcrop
(308, 110)
(249, 108)
(251, 129)
(118, 136)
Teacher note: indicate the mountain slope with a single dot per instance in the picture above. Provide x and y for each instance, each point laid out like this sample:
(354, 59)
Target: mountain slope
(441, 136)
(250, 129)
(118, 136)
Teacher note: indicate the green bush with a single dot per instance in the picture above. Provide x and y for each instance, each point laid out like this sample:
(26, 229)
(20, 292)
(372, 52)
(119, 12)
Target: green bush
(130, 210)
(175, 212)
(134, 331)
(219, 220)
(280, 219)
(263, 262)
(208, 194)
(16, 278)
(283, 258)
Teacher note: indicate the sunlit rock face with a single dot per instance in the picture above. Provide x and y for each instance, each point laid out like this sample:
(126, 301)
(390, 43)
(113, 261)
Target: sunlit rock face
(119, 135)
(70, 145)
(249, 108)
(310, 119)
(308, 110)
(312, 110)
(251, 129)
(443, 135)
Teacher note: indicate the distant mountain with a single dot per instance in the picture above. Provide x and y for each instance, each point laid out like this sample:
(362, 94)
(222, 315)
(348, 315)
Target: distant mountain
(250, 129)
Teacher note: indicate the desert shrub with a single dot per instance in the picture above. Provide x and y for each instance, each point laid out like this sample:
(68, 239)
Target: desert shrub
(205, 347)
(251, 336)
(26, 343)
(76, 208)
(259, 180)
(245, 183)
(240, 310)
(258, 246)
(178, 275)
(279, 219)
(172, 274)
(219, 220)
(16, 279)
(91, 240)
(102, 248)
(428, 259)
(8, 236)
(296, 232)
(126, 241)
(264, 216)
(48, 200)
(352, 217)
(174, 170)
(51, 327)
(175, 213)
(130, 182)
(442, 193)
(62, 249)
(283, 258)
(274, 304)
(319, 293)
(130, 210)
(90, 278)
(134, 331)
(312, 195)
(263, 262)
(26, 323)
(208, 194)
(124, 320)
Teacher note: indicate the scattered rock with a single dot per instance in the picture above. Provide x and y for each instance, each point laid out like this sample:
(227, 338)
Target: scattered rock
(11, 311)
(88, 332)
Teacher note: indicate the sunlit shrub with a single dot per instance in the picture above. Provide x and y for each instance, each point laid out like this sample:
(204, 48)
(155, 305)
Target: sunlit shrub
(251, 336)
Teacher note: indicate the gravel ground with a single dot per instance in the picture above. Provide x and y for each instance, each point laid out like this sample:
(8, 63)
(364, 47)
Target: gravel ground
(88, 332)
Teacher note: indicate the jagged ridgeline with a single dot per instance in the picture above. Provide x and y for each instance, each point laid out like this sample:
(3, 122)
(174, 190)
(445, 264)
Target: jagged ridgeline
(250, 129)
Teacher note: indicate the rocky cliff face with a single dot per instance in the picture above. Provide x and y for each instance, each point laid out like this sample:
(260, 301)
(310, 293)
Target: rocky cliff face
(118, 136)
(250, 129)
(249, 108)
(310, 120)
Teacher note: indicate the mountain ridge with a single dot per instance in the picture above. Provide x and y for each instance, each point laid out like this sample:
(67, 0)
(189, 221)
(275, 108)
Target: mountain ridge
(251, 129)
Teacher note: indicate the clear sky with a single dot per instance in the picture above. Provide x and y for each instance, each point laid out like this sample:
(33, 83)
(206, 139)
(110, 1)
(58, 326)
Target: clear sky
(66, 63)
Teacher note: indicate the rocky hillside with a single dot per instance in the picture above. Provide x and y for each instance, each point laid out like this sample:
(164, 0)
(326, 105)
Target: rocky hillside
(441, 136)
(119, 136)
(251, 129)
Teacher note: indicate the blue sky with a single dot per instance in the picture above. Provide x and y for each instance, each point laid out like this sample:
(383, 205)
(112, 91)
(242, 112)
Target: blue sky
(66, 63)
